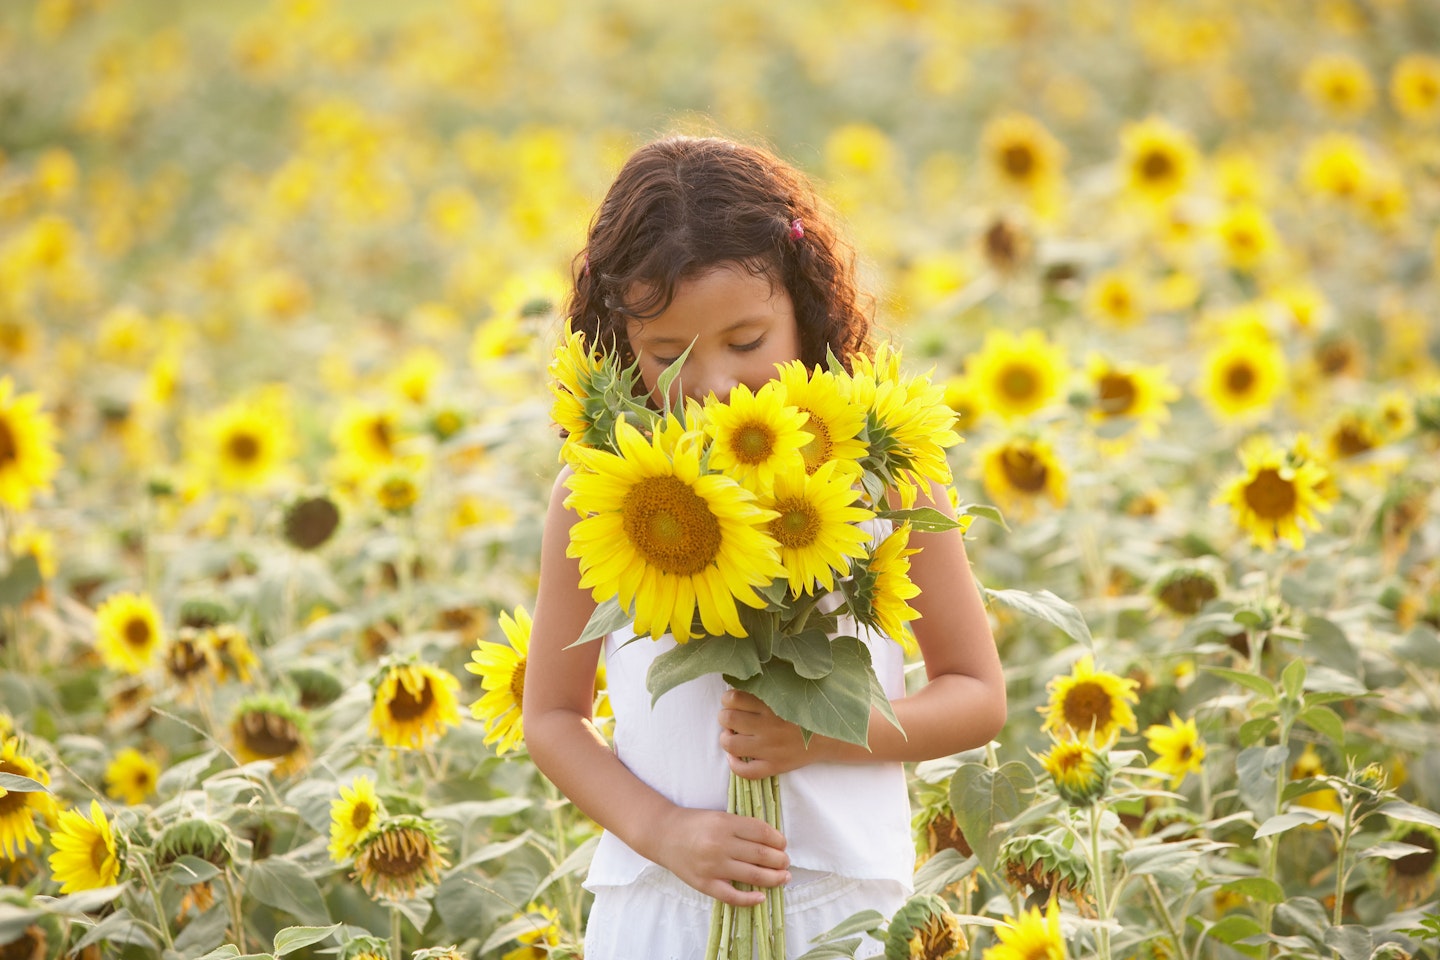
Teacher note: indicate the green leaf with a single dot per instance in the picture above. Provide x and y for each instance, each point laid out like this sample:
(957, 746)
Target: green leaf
(119, 928)
(732, 656)
(281, 884)
(1262, 889)
(291, 939)
(1421, 647)
(1255, 730)
(760, 626)
(1044, 605)
(1329, 645)
(1391, 850)
(1253, 681)
(1158, 856)
(1352, 941)
(607, 618)
(1258, 770)
(188, 870)
(14, 783)
(984, 511)
(839, 950)
(668, 376)
(20, 581)
(808, 652)
(14, 920)
(226, 951)
(923, 519)
(865, 921)
(465, 907)
(982, 799)
(1280, 823)
(1293, 678)
(525, 923)
(836, 705)
(87, 901)
(946, 867)
(1326, 721)
(1408, 812)
(576, 863)
(1236, 926)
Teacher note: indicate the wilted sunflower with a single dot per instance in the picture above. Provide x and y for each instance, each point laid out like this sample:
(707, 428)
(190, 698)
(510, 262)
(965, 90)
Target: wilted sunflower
(354, 815)
(128, 633)
(265, 727)
(882, 586)
(816, 526)
(1159, 159)
(1338, 84)
(755, 435)
(413, 702)
(85, 856)
(501, 668)
(667, 539)
(1018, 471)
(1042, 866)
(939, 937)
(1033, 936)
(402, 856)
(131, 776)
(1242, 376)
(189, 658)
(366, 948)
(1276, 494)
(28, 459)
(234, 658)
(1177, 747)
(1017, 376)
(835, 419)
(19, 810)
(1089, 702)
(1415, 87)
(1080, 772)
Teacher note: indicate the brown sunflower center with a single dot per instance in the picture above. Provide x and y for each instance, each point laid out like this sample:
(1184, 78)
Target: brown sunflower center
(1119, 301)
(1243, 239)
(361, 815)
(1117, 394)
(1024, 470)
(753, 443)
(99, 853)
(1156, 165)
(243, 448)
(1417, 864)
(1018, 381)
(1087, 706)
(1336, 357)
(185, 659)
(1188, 594)
(1240, 377)
(798, 524)
(402, 853)
(269, 735)
(1351, 440)
(1270, 495)
(380, 434)
(1018, 160)
(137, 632)
(9, 445)
(821, 447)
(406, 706)
(517, 683)
(671, 525)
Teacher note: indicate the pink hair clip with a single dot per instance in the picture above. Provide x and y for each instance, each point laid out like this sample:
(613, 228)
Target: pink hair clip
(585, 269)
(797, 229)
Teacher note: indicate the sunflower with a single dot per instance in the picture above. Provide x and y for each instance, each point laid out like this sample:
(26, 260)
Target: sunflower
(1090, 702)
(247, 444)
(1177, 747)
(816, 525)
(1310, 764)
(1033, 936)
(131, 776)
(18, 810)
(368, 436)
(1080, 772)
(413, 380)
(1134, 393)
(85, 857)
(1339, 84)
(400, 857)
(835, 420)
(1242, 375)
(1021, 153)
(501, 668)
(755, 435)
(234, 659)
(940, 937)
(1277, 493)
(1018, 471)
(543, 934)
(883, 586)
(1017, 376)
(28, 459)
(964, 401)
(1415, 87)
(573, 371)
(366, 948)
(413, 703)
(1247, 237)
(189, 659)
(265, 727)
(1159, 159)
(1411, 878)
(397, 490)
(354, 815)
(1352, 433)
(667, 539)
(1116, 298)
(1336, 166)
(310, 521)
(1185, 588)
(128, 634)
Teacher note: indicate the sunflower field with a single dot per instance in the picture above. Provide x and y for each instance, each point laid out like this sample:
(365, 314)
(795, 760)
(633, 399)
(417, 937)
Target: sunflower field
(279, 285)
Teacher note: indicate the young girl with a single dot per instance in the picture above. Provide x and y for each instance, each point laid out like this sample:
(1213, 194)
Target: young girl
(723, 248)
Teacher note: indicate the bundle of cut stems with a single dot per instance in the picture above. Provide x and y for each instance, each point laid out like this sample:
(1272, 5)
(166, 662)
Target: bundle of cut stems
(757, 932)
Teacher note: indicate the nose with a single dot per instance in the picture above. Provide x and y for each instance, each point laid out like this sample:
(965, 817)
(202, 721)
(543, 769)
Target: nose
(698, 381)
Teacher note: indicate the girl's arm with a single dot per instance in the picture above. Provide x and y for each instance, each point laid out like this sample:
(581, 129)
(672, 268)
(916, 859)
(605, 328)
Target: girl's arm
(708, 849)
(961, 707)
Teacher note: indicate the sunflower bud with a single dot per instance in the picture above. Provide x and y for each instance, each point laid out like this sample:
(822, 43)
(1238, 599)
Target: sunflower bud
(317, 686)
(1080, 772)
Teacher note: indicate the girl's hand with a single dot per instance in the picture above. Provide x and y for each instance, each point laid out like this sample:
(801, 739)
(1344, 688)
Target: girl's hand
(712, 850)
(759, 743)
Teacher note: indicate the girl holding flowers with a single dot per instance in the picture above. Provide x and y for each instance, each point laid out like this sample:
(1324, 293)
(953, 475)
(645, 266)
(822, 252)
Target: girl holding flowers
(712, 271)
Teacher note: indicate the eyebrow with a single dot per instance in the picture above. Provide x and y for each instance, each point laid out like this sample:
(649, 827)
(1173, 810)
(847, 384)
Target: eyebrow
(678, 341)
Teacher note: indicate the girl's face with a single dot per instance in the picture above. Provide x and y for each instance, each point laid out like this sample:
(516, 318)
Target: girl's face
(741, 325)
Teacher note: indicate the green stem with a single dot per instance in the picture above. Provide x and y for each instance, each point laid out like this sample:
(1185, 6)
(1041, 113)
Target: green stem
(1097, 876)
(397, 949)
(233, 903)
(1159, 897)
(1340, 868)
(162, 922)
(568, 889)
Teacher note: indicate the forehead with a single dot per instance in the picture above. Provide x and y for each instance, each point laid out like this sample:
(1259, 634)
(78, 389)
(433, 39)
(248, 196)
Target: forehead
(719, 297)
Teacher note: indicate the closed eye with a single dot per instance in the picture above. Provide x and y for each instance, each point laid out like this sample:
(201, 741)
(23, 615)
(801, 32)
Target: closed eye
(755, 344)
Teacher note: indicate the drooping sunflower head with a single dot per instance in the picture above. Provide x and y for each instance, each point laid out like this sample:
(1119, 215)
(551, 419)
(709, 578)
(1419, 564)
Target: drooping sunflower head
(131, 777)
(19, 810)
(128, 632)
(400, 857)
(198, 836)
(413, 703)
(1184, 588)
(1411, 878)
(267, 727)
(310, 521)
(28, 460)
(1159, 158)
(816, 525)
(366, 948)
(1080, 772)
(834, 420)
(1017, 376)
(1031, 936)
(755, 435)
(85, 857)
(1090, 703)
(1038, 864)
(1018, 471)
(501, 668)
(1177, 746)
(667, 540)
(234, 658)
(925, 929)
(354, 815)
(1276, 494)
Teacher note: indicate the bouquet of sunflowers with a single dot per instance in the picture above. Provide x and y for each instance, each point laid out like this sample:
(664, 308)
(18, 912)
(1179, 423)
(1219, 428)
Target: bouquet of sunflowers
(745, 528)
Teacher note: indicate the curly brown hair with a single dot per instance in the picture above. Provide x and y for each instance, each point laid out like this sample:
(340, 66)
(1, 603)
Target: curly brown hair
(683, 205)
